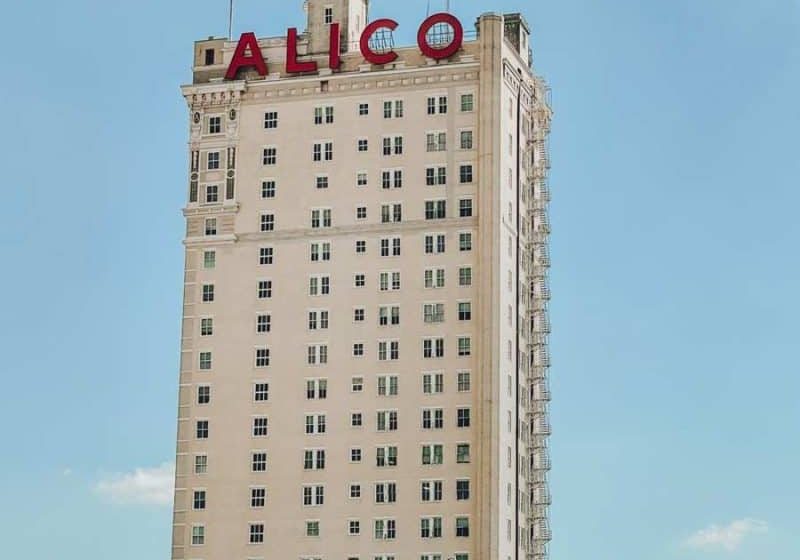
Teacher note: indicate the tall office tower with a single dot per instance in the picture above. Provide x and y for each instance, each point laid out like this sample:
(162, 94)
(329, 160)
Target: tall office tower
(364, 349)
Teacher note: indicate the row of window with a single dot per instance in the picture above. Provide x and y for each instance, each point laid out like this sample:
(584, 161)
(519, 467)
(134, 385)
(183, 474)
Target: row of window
(384, 529)
(388, 350)
(433, 277)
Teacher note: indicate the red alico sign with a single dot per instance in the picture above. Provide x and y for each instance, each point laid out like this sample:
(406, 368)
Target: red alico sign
(248, 54)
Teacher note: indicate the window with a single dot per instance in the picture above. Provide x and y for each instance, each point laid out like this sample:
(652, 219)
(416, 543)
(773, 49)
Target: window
(265, 255)
(201, 429)
(209, 259)
(313, 495)
(361, 213)
(390, 246)
(434, 277)
(319, 285)
(312, 528)
(210, 226)
(355, 491)
(462, 490)
(363, 145)
(358, 314)
(464, 346)
(261, 392)
(464, 382)
(436, 175)
(262, 357)
(357, 384)
(315, 424)
(433, 454)
(203, 394)
(355, 455)
(467, 102)
(328, 15)
(435, 209)
(462, 526)
(359, 280)
(199, 499)
(430, 527)
(264, 289)
(267, 222)
(386, 456)
(436, 141)
(391, 213)
(358, 349)
(432, 418)
(321, 218)
(431, 490)
(323, 115)
(463, 418)
(208, 293)
(263, 323)
(260, 427)
(271, 119)
(353, 527)
(316, 389)
(269, 156)
(466, 139)
(388, 350)
(389, 281)
(385, 529)
(465, 173)
(198, 535)
(388, 385)
(356, 420)
(212, 194)
(256, 533)
(464, 311)
(433, 312)
(205, 360)
(363, 109)
(206, 326)
(434, 243)
(388, 315)
(322, 181)
(209, 54)
(323, 151)
(268, 189)
(465, 241)
(392, 145)
(465, 208)
(437, 105)
(200, 464)
(318, 319)
(317, 354)
(258, 497)
(387, 420)
(385, 492)
(433, 348)
(462, 453)
(361, 179)
(432, 383)
(465, 276)
(320, 251)
(314, 459)
(212, 159)
(393, 109)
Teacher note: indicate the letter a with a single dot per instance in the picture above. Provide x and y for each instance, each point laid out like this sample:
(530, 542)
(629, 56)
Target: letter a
(242, 60)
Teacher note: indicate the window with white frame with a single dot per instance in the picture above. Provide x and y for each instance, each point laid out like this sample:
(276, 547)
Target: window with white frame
(436, 141)
(465, 173)
(319, 285)
(258, 461)
(462, 526)
(432, 383)
(260, 426)
(263, 323)
(465, 276)
(435, 209)
(465, 208)
(391, 213)
(323, 115)
(363, 145)
(210, 226)
(212, 160)
(466, 140)
(201, 429)
(363, 109)
(267, 222)
(464, 381)
(393, 109)
(436, 175)
(268, 188)
(261, 392)
(432, 418)
(467, 102)
(390, 246)
(433, 454)
(386, 456)
(465, 241)
(203, 394)
(389, 281)
(208, 293)
(393, 145)
(200, 464)
(356, 384)
(313, 459)
(433, 312)
(318, 319)
(317, 354)
(433, 347)
(462, 453)
(392, 178)
(464, 346)
(320, 251)
(271, 119)
(356, 419)
(388, 385)
(204, 361)
(212, 194)
(206, 326)
(362, 179)
(323, 151)
(256, 533)
(321, 182)
(437, 105)
(464, 311)
(316, 389)
(430, 528)
(321, 218)
(462, 489)
(388, 350)
(312, 528)
(386, 420)
(434, 243)
(209, 259)
(264, 290)
(434, 277)
(198, 535)
(353, 527)
(265, 255)
(385, 529)
(262, 357)
(258, 497)
(215, 124)
(313, 495)
(269, 156)
(388, 315)
(431, 490)
(358, 314)
(385, 492)
(315, 424)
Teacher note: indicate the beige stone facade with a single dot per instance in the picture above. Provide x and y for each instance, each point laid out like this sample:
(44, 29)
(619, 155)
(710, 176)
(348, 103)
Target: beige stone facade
(364, 348)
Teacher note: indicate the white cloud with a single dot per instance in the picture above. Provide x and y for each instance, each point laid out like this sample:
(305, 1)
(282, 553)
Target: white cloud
(143, 486)
(728, 537)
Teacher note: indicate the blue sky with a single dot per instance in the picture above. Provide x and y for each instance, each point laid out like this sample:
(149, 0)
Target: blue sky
(675, 175)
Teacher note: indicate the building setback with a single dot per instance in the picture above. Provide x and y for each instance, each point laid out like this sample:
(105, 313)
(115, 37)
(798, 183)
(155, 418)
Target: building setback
(364, 359)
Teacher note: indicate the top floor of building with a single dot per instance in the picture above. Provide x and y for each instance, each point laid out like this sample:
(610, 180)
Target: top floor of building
(339, 38)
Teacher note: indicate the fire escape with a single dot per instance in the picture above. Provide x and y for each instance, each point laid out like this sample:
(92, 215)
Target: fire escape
(539, 331)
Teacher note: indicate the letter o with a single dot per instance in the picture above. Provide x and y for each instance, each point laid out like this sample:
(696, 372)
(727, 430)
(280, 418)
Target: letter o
(370, 55)
(446, 51)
